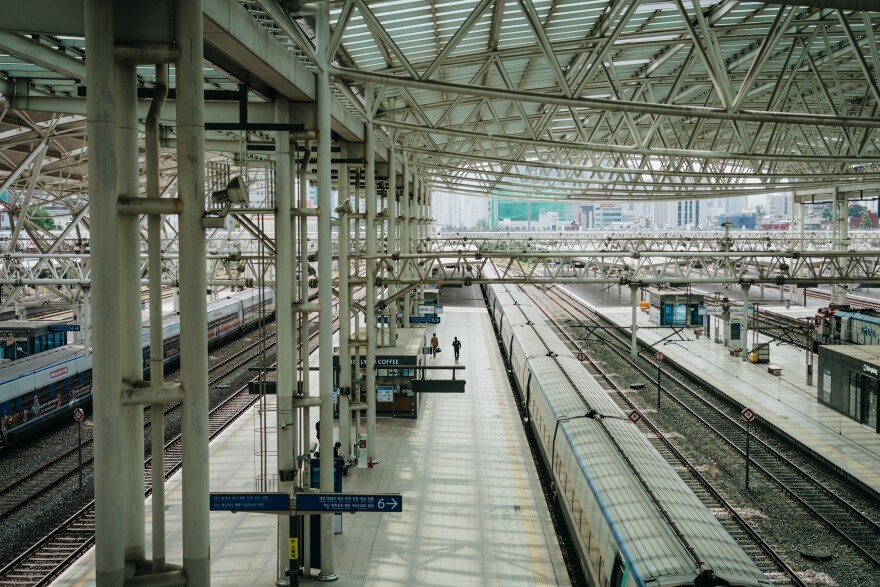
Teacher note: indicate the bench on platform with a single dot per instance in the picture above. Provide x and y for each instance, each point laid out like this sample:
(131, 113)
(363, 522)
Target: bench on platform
(774, 369)
(734, 352)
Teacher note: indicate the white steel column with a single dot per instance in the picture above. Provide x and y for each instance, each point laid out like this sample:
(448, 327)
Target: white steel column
(405, 235)
(87, 310)
(325, 268)
(839, 233)
(284, 321)
(157, 367)
(302, 319)
(345, 387)
(744, 325)
(344, 271)
(370, 220)
(420, 234)
(130, 313)
(193, 285)
(392, 234)
(106, 368)
(634, 340)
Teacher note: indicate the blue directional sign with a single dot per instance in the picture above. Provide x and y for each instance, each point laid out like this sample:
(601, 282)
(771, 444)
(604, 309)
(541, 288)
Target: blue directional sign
(250, 502)
(424, 319)
(348, 502)
(64, 328)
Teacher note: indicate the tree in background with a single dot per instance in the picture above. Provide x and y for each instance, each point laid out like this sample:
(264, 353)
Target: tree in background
(866, 221)
(856, 211)
(482, 225)
(40, 217)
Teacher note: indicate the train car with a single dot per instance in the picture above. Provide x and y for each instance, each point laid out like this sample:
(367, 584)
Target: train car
(634, 520)
(37, 391)
(846, 325)
(531, 340)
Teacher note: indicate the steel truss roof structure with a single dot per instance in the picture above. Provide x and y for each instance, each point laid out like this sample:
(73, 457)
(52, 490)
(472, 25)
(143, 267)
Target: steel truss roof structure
(541, 99)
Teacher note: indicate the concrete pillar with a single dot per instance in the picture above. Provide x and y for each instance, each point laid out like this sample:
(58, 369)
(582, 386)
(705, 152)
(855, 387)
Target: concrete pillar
(325, 267)
(106, 364)
(370, 196)
(284, 322)
(193, 285)
(128, 174)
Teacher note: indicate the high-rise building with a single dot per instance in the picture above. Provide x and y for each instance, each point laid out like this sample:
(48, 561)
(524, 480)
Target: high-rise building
(681, 214)
(779, 205)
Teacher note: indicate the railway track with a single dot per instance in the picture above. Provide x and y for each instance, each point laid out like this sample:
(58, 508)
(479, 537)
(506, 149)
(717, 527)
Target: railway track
(35, 313)
(22, 491)
(767, 559)
(44, 561)
(811, 490)
(49, 557)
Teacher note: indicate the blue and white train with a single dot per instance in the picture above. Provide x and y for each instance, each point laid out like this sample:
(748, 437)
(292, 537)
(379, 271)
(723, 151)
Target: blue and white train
(40, 390)
(634, 520)
(845, 325)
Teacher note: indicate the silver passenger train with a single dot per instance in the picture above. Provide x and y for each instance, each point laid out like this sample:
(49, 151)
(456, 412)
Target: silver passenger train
(39, 390)
(634, 520)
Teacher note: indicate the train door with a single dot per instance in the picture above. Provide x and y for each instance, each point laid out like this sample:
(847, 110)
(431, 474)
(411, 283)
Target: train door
(870, 389)
(855, 397)
(619, 572)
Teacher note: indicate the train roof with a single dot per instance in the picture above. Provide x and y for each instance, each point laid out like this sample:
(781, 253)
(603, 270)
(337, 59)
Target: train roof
(610, 451)
(28, 325)
(795, 312)
(520, 314)
(862, 315)
(538, 340)
(15, 369)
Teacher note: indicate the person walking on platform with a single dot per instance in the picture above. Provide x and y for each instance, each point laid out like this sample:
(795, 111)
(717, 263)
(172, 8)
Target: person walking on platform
(435, 346)
(456, 346)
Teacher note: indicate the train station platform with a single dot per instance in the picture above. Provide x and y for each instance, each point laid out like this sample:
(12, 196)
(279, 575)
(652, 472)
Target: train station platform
(474, 512)
(785, 401)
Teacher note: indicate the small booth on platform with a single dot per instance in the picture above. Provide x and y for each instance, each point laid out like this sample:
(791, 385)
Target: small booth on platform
(849, 381)
(396, 367)
(675, 307)
(23, 338)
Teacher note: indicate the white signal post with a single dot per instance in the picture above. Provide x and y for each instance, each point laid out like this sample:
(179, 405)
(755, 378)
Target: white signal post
(78, 415)
(660, 358)
(748, 415)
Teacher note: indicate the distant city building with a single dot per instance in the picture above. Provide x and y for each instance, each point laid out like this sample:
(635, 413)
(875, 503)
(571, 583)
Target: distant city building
(549, 221)
(746, 221)
(457, 211)
(525, 215)
(734, 205)
(688, 214)
(779, 205)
